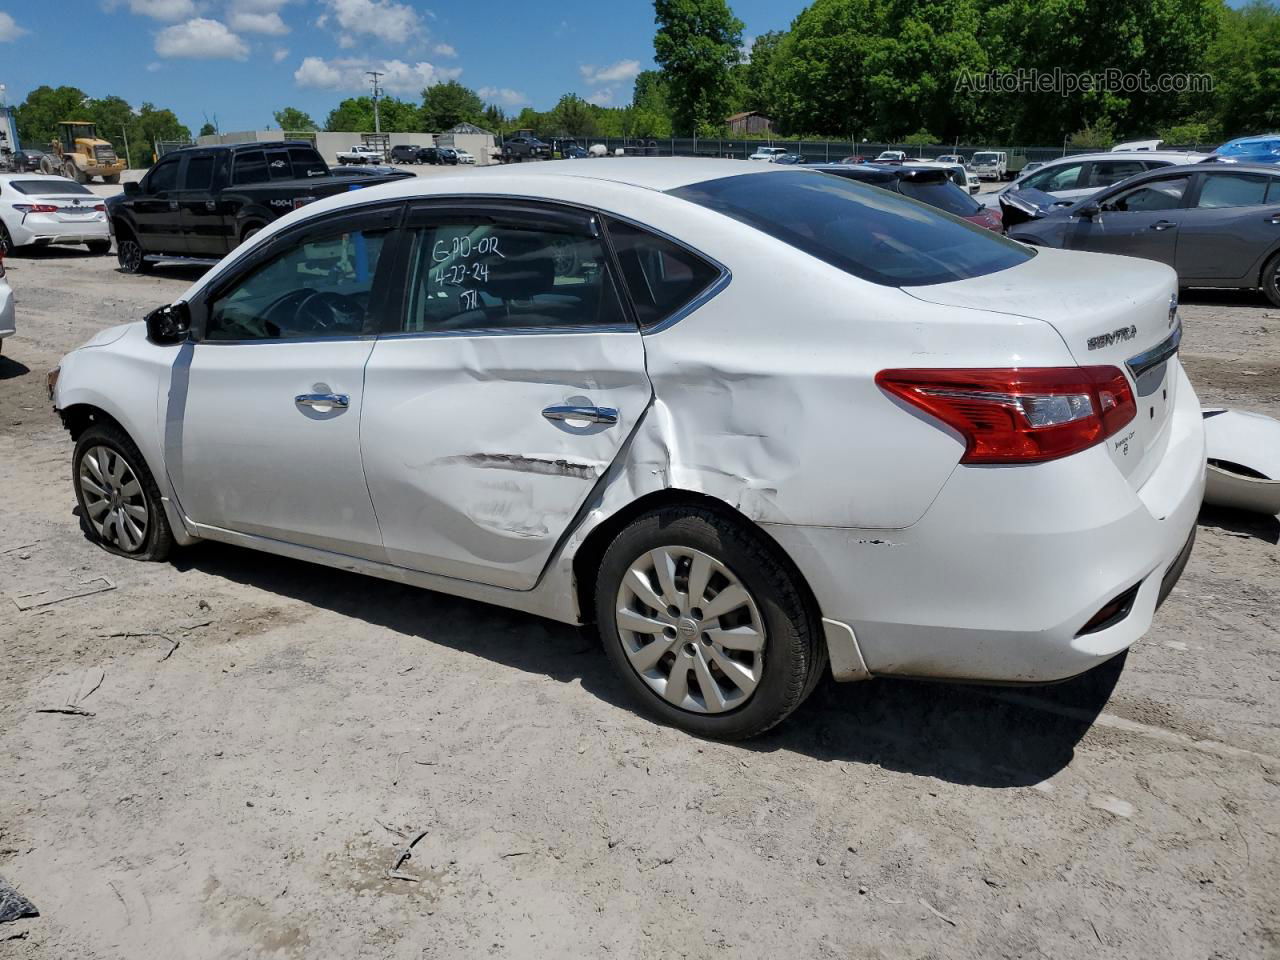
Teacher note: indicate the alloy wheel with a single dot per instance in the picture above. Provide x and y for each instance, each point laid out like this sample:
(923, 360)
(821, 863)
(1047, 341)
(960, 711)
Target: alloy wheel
(691, 630)
(113, 498)
(130, 254)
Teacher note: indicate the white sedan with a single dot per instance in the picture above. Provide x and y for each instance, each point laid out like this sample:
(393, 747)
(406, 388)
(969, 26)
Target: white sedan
(39, 210)
(754, 422)
(8, 326)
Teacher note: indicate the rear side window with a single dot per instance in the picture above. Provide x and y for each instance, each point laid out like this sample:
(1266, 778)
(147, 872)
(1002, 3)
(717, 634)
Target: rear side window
(307, 163)
(199, 174)
(1103, 173)
(251, 167)
(661, 276)
(1233, 190)
(873, 234)
(941, 194)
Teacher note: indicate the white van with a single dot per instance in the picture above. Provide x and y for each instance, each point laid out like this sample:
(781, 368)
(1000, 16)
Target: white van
(991, 164)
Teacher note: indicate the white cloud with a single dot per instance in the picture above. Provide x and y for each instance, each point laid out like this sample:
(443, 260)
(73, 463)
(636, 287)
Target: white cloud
(9, 29)
(614, 73)
(154, 65)
(444, 50)
(200, 39)
(280, 54)
(246, 21)
(602, 97)
(163, 9)
(504, 95)
(349, 74)
(384, 19)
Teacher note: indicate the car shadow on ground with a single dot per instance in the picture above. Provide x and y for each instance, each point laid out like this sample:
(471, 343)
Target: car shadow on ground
(1223, 297)
(1241, 523)
(10, 368)
(983, 736)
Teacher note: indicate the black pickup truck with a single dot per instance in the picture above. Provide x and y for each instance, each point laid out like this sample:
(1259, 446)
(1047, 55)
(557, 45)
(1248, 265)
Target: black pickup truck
(200, 203)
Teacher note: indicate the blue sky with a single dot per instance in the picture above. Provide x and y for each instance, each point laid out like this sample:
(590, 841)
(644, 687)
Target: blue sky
(243, 59)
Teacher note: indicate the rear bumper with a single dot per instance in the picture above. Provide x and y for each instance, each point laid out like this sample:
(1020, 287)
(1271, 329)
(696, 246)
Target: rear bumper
(999, 577)
(39, 231)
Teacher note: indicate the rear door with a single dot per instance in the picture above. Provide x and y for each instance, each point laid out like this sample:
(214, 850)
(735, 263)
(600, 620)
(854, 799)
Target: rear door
(1229, 226)
(503, 392)
(1141, 221)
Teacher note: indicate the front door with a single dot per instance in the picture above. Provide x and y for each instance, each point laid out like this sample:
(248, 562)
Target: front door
(155, 208)
(506, 389)
(203, 226)
(1141, 221)
(263, 419)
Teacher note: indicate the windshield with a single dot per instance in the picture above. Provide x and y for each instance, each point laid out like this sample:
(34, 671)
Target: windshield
(31, 187)
(985, 157)
(944, 196)
(1249, 148)
(879, 236)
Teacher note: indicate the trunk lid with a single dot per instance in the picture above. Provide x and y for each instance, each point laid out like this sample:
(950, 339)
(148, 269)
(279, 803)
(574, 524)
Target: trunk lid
(1109, 310)
(72, 208)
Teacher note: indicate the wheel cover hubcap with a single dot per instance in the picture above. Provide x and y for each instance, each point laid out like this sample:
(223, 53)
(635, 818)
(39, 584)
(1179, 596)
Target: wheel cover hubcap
(113, 498)
(691, 630)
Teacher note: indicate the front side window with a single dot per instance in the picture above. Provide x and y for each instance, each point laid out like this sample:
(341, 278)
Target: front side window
(879, 236)
(1157, 195)
(483, 274)
(163, 176)
(322, 287)
(1103, 173)
(1050, 179)
(1233, 190)
(660, 276)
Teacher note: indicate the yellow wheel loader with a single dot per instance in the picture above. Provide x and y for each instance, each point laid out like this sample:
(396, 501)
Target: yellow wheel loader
(80, 154)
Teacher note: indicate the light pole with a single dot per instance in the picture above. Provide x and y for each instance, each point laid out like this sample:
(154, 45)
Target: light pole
(127, 162)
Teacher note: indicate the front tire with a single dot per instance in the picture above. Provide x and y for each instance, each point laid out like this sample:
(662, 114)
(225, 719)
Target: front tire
(1271, 280)
(706, 625)
(130, 255)
(119, 501)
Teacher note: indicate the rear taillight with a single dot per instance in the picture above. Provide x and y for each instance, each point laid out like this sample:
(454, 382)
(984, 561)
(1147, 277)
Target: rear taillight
(36, 207)
(1020, 415)
(100, 207)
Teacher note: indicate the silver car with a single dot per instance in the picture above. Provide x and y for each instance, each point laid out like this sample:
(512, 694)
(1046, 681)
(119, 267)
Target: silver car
(1217, 225)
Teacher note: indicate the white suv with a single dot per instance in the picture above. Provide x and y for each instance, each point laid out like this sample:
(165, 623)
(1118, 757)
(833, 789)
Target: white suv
(1068, 179)
(768, 153)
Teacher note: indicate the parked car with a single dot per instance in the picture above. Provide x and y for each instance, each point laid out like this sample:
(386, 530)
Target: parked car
(520, 148)
(767, 154)
(200, 203)
(407, 153)
(1068, 179)
(1033, 166)
(855, 158)
(41, 210)
(448, 156)
(788, 159)
(1258, 149)
(8, 325)
(928, 184)
(384, 171)
(951, 158)
(991, 164)
(465, 157)
(890, 156)
(24, 161)
(738, 505)
(960, 175)
(360, 153)
(1217, 225)
(574, 152)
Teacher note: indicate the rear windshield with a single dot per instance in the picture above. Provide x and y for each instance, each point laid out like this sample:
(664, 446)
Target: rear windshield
(59, 185)
(873, 234)
(944, 195)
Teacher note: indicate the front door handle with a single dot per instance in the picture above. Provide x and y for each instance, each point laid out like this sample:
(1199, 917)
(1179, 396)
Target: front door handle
(1163, 225)
(1274, 218)
(173, 204)
(339, 401)
(590, 414)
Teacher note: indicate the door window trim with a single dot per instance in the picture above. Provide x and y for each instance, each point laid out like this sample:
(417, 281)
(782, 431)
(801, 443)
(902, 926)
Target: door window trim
(378, 215)
(422, 213)
(1201, 176)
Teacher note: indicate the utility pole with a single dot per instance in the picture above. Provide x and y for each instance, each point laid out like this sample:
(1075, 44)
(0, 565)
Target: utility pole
(128, 161)
(377, 92)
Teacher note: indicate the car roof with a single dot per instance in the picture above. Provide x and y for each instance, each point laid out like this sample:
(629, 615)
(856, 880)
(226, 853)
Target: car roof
(1185, 156)
(652, 173)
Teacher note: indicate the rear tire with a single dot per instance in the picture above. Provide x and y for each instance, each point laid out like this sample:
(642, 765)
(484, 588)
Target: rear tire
(727, 671)
(1271, 280)
(120, 506)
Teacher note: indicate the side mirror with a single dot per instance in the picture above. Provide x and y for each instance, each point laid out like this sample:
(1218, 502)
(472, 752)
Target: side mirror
(132, 188)
(1089, 211)
(169, 324)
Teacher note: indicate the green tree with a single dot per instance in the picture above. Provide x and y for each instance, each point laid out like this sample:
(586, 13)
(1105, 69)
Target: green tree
(572, 116)
(353, 114)
(149, 126)
(38, 116)
(1244, 61)
(1189, 134)
(696, 45)
(529, 119)
(921, 138)
(757, 72)
(493, 118)
(207, 130)
(447, 104)
(291, 118)
(1094, 136)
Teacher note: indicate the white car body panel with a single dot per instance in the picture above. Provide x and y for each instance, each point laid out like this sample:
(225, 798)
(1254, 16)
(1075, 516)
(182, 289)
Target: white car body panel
(8, 323)
(789, 430)
(70, 224)
(1240, 438)
(1170, 157)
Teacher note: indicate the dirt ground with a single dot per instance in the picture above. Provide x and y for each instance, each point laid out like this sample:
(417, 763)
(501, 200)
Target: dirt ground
(262, 737)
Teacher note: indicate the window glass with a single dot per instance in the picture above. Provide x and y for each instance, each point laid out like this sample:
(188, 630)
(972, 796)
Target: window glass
(871, 233)
(1273, 191)
(199, 174)
(1103, 173)
(660, 276)
(1232, 190)
(481, 275)
(59, 186)
(941, 194)
(1158, 195)
(251, 167)
(320, 288)
(1063, 177)
(278, 165)
(163, 176)
(307, 163)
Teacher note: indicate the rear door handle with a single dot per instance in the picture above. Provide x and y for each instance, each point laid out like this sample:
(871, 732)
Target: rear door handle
(1163, 225)
(338, 400)
(590, 414)
(1274, 218)
(173, 204)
